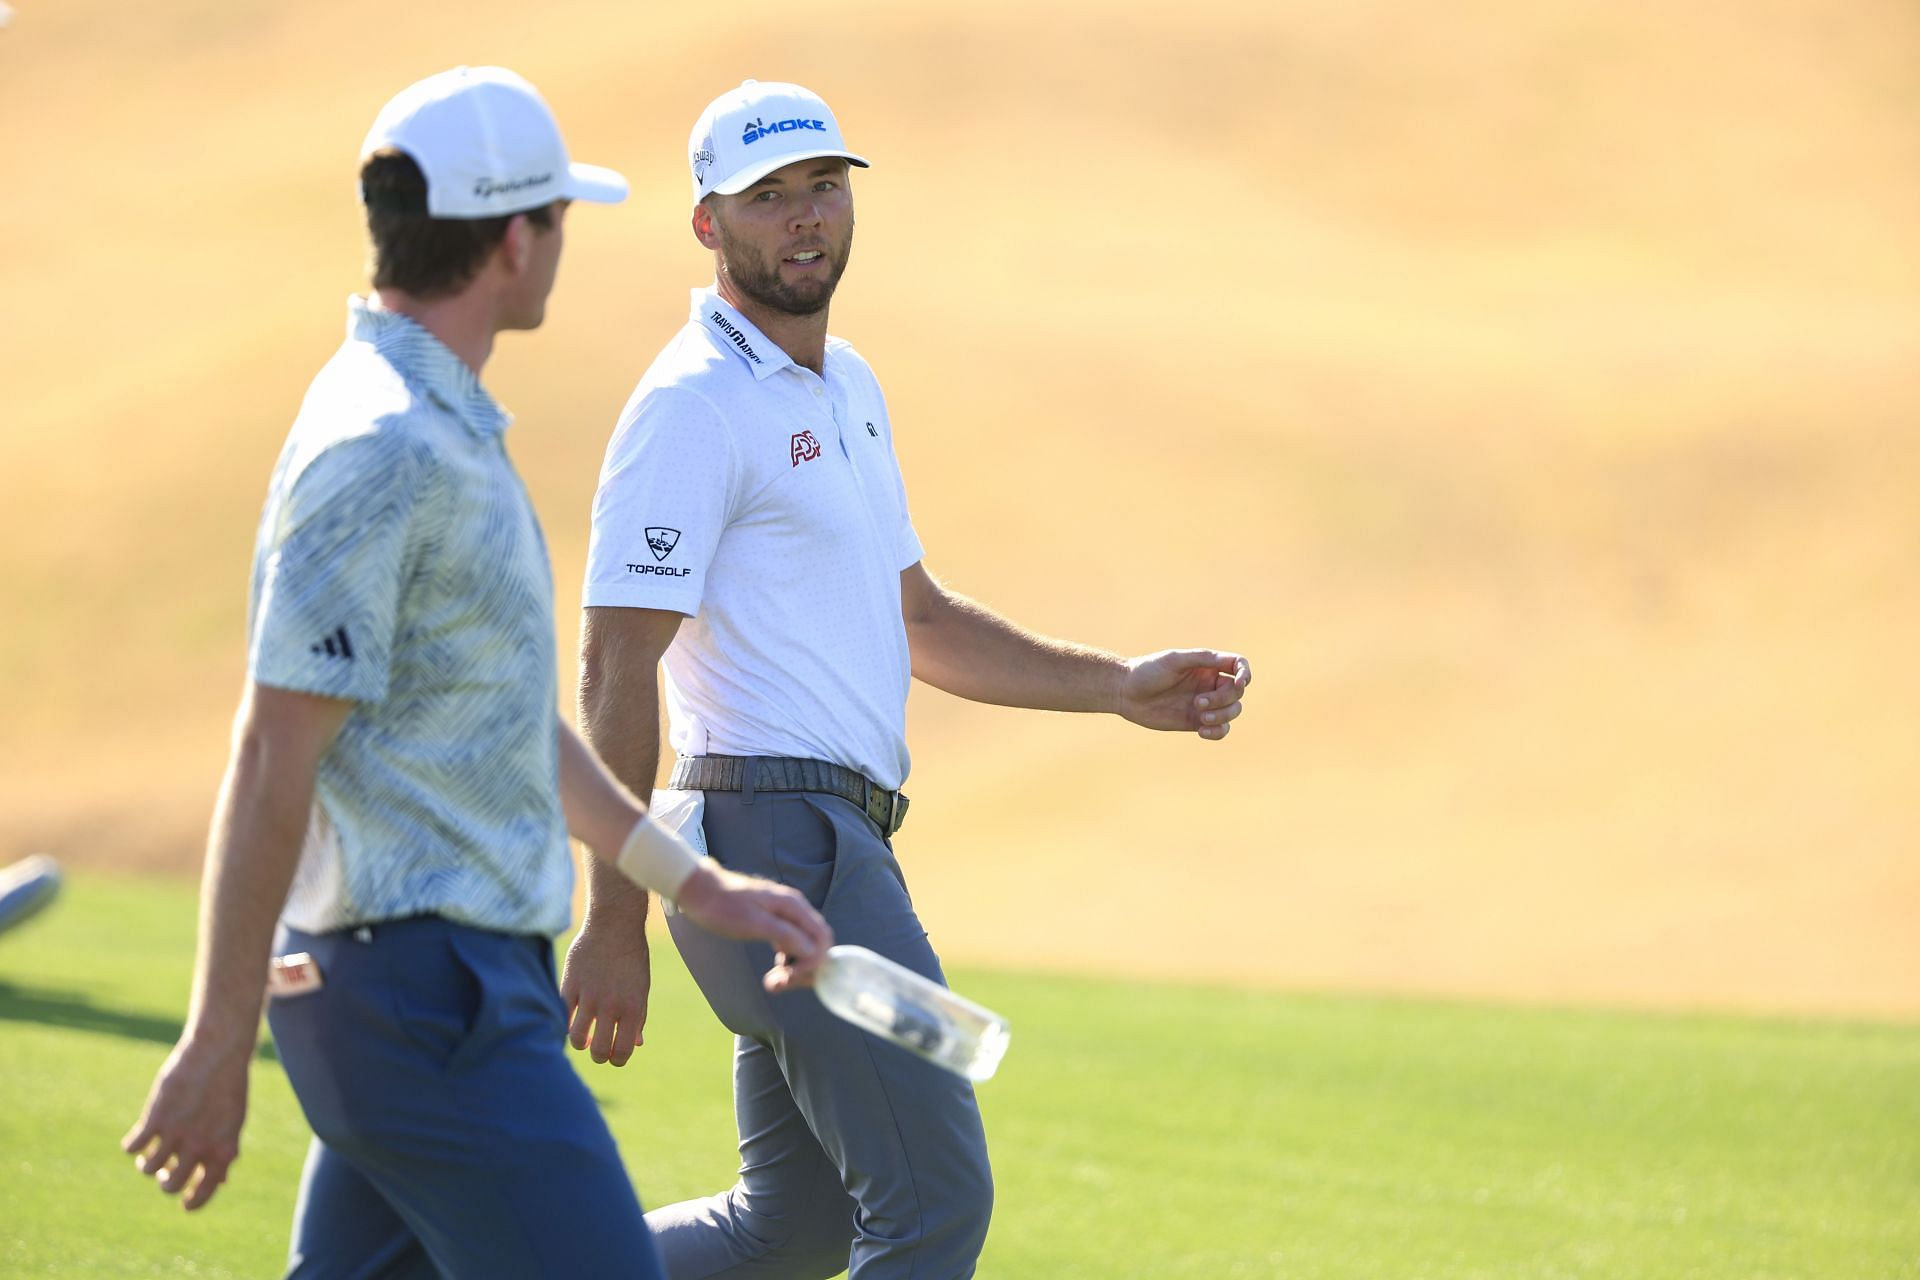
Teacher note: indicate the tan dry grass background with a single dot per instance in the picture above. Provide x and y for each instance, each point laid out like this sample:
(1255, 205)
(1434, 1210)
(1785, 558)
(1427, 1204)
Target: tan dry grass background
(1528, 387)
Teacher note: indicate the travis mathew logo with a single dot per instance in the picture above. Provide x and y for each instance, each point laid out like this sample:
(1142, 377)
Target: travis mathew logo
(805, 448)
(661, 541)
(872, 432)
(484, 187)
(732, 330)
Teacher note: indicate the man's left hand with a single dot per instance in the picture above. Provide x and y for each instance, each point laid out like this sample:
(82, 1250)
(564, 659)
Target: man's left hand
(1185, 690)
(189, 1133)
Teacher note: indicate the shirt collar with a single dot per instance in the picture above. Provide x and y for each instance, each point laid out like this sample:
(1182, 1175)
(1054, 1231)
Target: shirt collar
(427, 363)
(738, 334)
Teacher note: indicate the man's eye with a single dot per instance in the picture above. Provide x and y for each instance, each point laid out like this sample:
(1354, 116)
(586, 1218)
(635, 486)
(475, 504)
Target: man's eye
(765, 196)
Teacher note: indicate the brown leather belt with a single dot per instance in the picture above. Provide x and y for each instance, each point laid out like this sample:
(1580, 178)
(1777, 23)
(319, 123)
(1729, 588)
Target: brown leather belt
(887, 809)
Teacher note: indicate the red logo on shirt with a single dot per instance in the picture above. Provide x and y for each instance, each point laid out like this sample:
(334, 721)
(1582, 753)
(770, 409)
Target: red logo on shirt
(805, 448)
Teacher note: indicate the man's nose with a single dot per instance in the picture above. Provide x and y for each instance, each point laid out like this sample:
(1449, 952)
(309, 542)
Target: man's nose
(806, 213)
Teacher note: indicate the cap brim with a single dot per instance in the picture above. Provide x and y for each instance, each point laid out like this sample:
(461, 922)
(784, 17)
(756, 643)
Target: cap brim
(740, 181)
(591, 182)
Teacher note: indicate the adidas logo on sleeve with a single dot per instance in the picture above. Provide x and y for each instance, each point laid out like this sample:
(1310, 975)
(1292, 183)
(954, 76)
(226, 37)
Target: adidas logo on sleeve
(334, 646)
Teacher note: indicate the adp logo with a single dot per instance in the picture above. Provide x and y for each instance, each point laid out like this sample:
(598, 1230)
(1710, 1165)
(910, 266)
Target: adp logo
(758, 129)
(805, 448)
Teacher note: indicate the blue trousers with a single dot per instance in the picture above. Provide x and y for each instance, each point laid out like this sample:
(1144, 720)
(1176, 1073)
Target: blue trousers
(451, 1135)
(854, 1153)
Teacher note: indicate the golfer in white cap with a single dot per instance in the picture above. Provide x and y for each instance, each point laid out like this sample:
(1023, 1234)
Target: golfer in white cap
(751, 531)
(402, 787)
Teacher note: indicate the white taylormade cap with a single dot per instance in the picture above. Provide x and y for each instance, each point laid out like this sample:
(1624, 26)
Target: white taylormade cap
(488, 145)
(747, 133)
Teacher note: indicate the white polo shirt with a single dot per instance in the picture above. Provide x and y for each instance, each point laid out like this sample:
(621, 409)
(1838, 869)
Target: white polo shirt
(765, 503)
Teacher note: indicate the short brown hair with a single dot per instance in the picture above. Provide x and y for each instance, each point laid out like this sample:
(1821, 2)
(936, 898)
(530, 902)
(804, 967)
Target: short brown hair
(415, 252)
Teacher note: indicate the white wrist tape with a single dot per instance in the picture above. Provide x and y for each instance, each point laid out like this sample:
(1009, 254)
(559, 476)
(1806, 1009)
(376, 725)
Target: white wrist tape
(656, 858)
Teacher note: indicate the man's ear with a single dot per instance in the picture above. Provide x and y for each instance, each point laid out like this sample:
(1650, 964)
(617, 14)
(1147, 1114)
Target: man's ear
(517, 245)
(703, 229)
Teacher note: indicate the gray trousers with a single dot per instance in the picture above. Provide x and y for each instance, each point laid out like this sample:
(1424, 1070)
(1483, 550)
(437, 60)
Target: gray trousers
(854, 1153)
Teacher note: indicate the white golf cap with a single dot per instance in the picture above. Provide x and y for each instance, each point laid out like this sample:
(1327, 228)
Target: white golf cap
(488, 145)
(747, 133)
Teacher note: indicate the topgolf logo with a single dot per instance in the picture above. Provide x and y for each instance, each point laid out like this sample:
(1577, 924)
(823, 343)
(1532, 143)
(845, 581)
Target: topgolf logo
(661, 541)
(758, 129)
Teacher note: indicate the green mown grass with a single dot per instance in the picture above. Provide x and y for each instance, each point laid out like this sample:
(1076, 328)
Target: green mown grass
(1138, 1130)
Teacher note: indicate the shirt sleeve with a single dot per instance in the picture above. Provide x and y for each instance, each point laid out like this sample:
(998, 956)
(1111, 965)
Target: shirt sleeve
(333, 564)
(666, 493)
(908, 551)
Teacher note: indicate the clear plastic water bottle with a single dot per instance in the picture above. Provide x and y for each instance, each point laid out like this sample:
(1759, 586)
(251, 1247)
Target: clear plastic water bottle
(897, 1004)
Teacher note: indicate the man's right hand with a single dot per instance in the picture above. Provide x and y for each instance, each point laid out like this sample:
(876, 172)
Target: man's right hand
(606, 983)
(736, 906)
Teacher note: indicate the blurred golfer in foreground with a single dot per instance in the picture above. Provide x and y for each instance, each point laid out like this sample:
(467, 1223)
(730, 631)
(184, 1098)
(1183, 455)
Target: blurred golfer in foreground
(26, 888)
(401, 785)
(751, 531)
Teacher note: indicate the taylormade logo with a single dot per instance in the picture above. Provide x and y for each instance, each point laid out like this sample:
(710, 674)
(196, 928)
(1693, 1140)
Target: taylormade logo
(486, 187)
(732, 330)
(758, 129)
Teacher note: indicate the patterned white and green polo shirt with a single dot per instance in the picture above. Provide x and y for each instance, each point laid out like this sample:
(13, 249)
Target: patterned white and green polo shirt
(399, 565)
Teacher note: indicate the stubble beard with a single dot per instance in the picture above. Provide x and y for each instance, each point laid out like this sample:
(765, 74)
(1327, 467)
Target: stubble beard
(759, 280)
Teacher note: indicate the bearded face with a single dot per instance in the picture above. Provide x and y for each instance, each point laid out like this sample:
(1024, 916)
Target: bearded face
(784, 241)
(797, 277)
